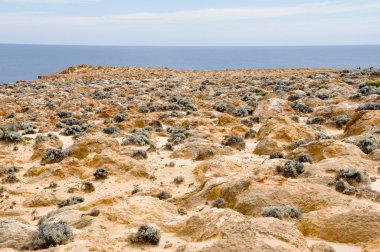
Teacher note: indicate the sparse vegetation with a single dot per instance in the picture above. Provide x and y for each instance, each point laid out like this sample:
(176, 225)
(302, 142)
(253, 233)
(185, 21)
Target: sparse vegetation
(291, 169)
(282, 212)
(146, 235)
(219, 203)
(179, 180)
(204, 154)
(304, 158)
(71, 201)
(276, 155)
(234, 142)
(52, 156)
(139, 154)
(163, 195)
(101, 173)
(139, 140)
(367, 145)
(51, 235)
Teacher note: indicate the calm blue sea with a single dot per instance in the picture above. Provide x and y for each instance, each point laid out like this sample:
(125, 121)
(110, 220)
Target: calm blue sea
(26, 62)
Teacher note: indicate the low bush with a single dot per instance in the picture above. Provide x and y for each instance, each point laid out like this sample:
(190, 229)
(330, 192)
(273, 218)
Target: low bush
(146, 235)
(71, 201)
(282, 212)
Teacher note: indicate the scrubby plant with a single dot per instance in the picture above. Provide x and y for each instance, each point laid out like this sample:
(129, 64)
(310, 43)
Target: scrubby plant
(163, 195)
(64, 113)
(322, 96)
(250, 134)
(316, 120)
(321, 136)
(301, 107)
(52, 156)
(146, 235)
(101, 173)
(243, 111)
(53, 234)
(143, 109)
(119, 118)
(110, 130)
(8, 170)
(139, 140)
(74, 129)
(344, 187)
(139, 154)
(135, 190)
(186, 104)
(369, 106)
(247, 122)
(276, 155)
(68, 122)
(340, 120)
(12, 136)
(295, 119)
(71, 201)
(179, 180)
(219, 203)
(204, 154)
(373, 83)
(304, 158)
(220, 107)
(255, 119)
(367, 145)
(291, 169)
(10, 179)
(352, 176)
(294, 97)
(87, 187)
(282, 212)
(234, 142)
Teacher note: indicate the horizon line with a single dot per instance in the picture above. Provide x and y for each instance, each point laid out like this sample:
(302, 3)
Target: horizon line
(97, 45)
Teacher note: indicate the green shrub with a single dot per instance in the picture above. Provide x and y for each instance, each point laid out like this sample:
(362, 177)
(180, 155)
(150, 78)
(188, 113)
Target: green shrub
(373, 83)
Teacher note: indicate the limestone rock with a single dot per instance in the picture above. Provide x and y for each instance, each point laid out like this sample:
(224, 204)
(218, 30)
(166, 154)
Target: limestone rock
(336, 224)
(279, 133)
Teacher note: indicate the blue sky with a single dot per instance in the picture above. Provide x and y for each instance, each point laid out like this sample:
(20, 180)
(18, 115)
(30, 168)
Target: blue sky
(190, 22)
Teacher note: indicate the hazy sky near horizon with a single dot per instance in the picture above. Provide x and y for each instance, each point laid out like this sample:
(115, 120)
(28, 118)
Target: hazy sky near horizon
(185, 22)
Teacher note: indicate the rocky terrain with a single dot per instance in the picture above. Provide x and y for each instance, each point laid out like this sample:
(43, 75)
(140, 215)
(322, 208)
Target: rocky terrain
(152, 159)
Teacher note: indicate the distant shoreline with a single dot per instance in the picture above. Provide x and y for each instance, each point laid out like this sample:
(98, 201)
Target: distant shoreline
(26, 62)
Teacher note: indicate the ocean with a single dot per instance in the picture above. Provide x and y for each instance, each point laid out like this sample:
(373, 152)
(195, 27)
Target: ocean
(26, 62)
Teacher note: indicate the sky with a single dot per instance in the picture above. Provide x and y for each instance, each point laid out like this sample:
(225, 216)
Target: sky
(190, 22)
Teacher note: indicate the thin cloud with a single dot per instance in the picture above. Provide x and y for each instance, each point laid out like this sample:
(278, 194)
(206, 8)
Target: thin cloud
(46, 1)
(198, 16)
